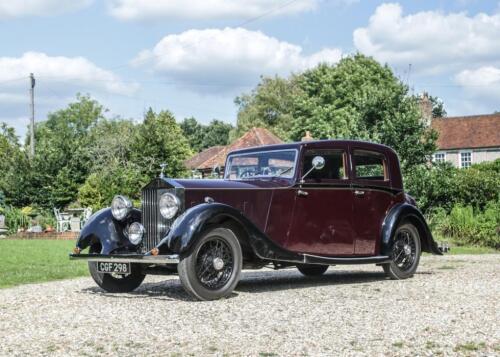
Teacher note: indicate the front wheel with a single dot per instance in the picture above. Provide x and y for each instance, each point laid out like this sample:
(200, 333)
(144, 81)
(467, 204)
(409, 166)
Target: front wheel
(405, 254)
(212, 269)
(117, 283)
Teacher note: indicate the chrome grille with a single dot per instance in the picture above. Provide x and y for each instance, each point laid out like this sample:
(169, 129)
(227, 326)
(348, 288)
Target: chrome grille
(156, 227)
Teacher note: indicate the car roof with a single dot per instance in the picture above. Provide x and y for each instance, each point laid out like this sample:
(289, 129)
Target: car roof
(315, 143)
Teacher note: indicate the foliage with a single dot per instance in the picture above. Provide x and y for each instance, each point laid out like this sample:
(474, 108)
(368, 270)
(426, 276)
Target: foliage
(41, 260)
(442, 185)
(16, 219)
(466, 225)
(100, 187)
(356, 99)
(438, 110)
(160, 140)
(269, 106)
(201, 137)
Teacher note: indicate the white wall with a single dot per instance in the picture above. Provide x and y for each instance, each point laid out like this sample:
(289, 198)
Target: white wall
(478, 155)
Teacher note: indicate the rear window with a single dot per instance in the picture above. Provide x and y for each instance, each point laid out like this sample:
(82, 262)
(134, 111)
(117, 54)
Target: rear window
(370, 165)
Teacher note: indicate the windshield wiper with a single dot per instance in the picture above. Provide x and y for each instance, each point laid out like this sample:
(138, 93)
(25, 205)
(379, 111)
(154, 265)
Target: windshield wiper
(284, 172)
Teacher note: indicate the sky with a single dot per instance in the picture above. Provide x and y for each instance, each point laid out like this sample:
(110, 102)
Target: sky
(193, 57)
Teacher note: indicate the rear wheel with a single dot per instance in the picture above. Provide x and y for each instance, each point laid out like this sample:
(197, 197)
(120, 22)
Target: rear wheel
(405, 254)
(117, 283)
(312, 269)
(212, 269)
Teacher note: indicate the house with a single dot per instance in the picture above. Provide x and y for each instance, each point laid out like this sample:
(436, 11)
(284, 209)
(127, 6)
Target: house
(467, 140)
(215, 157)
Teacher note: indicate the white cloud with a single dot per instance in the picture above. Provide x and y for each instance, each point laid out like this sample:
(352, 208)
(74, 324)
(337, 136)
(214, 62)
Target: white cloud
(229, 57)
(68, 72)
(22, 8)
(433, 42)
(482, 83)
(204, 9)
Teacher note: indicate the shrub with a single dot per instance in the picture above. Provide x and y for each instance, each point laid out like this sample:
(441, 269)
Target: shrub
(444, 186)
(464, 225)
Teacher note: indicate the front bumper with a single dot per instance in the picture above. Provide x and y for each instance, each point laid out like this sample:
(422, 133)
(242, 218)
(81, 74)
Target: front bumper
(128, 258)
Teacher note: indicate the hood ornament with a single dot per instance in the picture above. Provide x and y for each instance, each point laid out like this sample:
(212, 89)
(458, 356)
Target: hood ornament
(162, 174)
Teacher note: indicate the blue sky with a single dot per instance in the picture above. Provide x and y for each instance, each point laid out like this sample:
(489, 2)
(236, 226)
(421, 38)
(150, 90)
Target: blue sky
(194, 56)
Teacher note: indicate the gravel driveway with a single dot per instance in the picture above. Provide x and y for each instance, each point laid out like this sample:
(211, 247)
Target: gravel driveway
(452, 306)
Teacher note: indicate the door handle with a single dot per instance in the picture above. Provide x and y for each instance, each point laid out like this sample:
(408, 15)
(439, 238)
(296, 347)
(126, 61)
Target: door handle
(359, 193)
(302, 193)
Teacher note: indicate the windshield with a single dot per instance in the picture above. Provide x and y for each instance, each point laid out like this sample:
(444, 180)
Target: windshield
(261, 164)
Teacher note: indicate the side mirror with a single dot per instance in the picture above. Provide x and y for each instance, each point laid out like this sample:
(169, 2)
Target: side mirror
(318, 162)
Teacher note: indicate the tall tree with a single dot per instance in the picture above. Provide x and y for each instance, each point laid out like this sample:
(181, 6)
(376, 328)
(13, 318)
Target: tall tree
(159, 139)
(269, 105)
(202, 136)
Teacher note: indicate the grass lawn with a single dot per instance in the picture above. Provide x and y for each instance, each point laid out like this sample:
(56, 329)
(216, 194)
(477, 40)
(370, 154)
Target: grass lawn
(34, 261)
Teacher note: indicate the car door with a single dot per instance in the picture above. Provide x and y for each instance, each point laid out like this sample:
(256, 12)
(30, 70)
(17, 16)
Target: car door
(322, 216)
(372, 197)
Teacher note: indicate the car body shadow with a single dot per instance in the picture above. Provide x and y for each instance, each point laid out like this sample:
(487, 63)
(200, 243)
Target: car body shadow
(251, 281)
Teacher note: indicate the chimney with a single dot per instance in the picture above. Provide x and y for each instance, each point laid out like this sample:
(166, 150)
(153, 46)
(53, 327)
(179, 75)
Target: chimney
(425, 108)
(307, 137)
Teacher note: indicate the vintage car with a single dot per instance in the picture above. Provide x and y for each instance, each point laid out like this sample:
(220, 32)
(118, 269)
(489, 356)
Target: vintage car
(308, 204)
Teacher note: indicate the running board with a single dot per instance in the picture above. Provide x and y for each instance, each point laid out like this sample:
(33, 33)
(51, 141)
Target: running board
(315, 259)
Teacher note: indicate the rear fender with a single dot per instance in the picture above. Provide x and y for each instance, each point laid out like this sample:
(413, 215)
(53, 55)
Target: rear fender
(190, 226)
(101, 228)
(406, 212)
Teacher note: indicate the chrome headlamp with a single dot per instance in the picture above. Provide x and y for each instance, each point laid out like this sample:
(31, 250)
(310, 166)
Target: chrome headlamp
(135, 233)
(120, 207)
(169, 205)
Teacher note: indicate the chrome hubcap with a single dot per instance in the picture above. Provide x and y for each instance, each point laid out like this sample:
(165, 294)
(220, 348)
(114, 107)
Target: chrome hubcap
(218, 263)
(407, 249)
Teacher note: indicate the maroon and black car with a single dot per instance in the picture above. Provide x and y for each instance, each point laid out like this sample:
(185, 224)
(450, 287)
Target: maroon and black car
(308, 204)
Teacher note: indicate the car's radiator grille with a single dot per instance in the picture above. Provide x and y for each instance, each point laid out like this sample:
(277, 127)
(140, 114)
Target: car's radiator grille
(156, 227)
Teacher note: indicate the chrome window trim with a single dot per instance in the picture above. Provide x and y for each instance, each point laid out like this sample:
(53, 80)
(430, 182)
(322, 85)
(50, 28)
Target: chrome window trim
(228, 167)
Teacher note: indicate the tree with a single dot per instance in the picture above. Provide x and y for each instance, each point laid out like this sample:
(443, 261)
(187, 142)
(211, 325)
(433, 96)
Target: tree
(216, 133)
(11, 159)
(356, 99)
(438, 110)
(194, 132)
(62, 156)
(269, 106)
(202, 136)
(159, 139)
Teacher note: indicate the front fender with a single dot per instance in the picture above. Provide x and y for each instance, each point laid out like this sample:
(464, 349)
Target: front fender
(102, 228)
(190, 226)
(396, 215)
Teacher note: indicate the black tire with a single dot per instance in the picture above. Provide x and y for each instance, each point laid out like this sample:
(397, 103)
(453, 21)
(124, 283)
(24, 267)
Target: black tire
(117, 283)
(405, 254)
(312, 269)
(201, 272)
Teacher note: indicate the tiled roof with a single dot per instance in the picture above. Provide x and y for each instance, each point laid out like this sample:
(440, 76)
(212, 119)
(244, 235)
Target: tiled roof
(199, 159)
(212, 157)
(468, 132)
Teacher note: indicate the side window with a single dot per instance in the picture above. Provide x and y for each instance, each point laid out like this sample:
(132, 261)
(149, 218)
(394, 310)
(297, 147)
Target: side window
(334, 168)
(369, 165)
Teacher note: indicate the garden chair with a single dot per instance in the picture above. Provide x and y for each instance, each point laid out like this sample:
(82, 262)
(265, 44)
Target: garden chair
(63, 221)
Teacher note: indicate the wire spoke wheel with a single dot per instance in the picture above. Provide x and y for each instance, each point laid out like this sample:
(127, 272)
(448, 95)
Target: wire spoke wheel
(212, 269)
(405, 254)
(214, 263)
(404, 250)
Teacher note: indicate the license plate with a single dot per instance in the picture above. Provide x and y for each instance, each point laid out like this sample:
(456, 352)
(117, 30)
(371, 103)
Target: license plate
(111, 267)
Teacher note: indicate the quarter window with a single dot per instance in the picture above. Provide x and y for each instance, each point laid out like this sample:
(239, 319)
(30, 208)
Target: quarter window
(465, 159)
(369, 165)
(334, 168)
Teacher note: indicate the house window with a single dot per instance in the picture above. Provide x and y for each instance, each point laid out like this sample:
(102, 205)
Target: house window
(465, 159)
(439, 157)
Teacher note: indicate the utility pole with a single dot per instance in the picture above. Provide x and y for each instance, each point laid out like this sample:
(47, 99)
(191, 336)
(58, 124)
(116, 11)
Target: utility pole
(32, 110)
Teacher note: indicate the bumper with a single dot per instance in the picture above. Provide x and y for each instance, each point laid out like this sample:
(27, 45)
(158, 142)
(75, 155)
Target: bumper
(130, 258)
